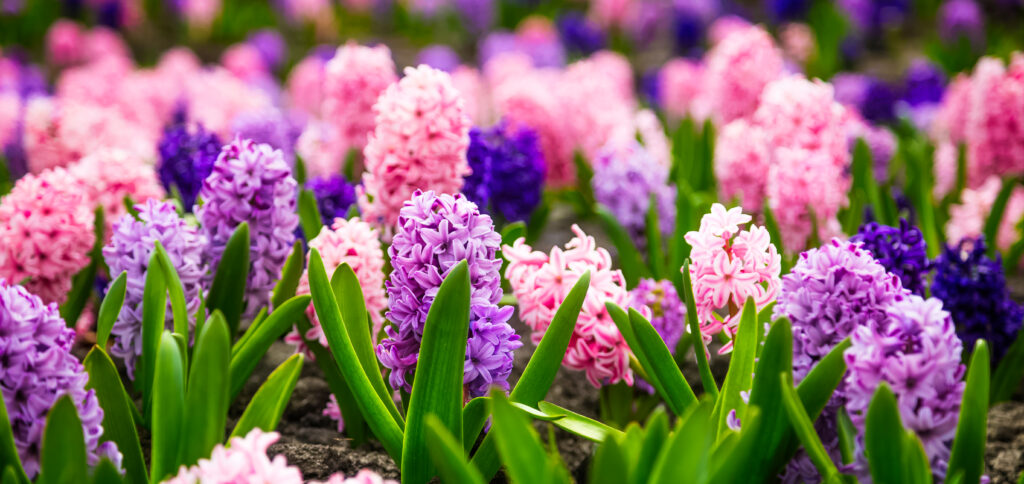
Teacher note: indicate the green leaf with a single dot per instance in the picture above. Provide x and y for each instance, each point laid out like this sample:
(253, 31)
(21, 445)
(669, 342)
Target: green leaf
(512, 232)
(206, 399)
(350, 298)
(118, 426)
(883, 437)
(621, 320)
(110, 308)
(83, 282)
(968, 454)
(447, 455)
(154, 316)
(706, 378)
(610, 464)
(678, 249)
(538, 219)
(374, 411)
(577, 424)
(847, 437)
(1009, 372)
(106, 473)
(168, 409)
(290, 275)
(355, 425)
(995, 216)
(655, 252)
(474, 416)
(10, 476)
(817, 387)
(654, 441)
(268, 404)
(917, 468)
(661, 364)
(518, 443)
(632, 265)
(227, 293)
(244, 361)
(176, 291)
(741, 448)
(9, 459)
(62, 458)
(129, 206)
(309, 214)
(741, 370)
(437, 388)
(805, 430)
(772, 225)
(687, 452)
(300, 170)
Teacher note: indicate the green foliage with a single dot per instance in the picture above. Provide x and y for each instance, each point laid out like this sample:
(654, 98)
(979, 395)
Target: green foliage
(967, 458)
(206, 397)
(168, 409)
(630, 262)
(741, 370)
(269, 402)
(447, 455)
(309, 214)
(1009, 372)
(62, 459)
(84, 281)
(227, 293)
(9, 459)
(110, 308)
(706, 379)
(250, 351)
(118, 425)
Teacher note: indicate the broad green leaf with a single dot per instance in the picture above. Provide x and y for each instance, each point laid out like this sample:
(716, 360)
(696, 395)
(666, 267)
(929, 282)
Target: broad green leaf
(474, 416)
(610, 464)
(437, 388)
(706, 378)
(655, 250)
(374, 411)
(968, 454)
(847, 437)
(687, 450)
(206, 399)
(817, 387)
(883, 437)
(741, 370)
(535, 413)
(512, 232)
(448, 455)
(253, 328)
(655, 437)
(154, 316)
(118, 426)
(9, 458)
(517, 442)
(168, 409)
(269, 402)
(661, 363)
(83, 282)
(355, 425)
(632, 265)
(917, 468)
(350, 298)
(740, 447)
(176, 291)
(62, 457)
(10, 476)
(1009, 372)
(309, 214)
(621, 320)
(995, 216)
(290, 275)
(270, 330)
(106, 473)
(110, 308)
(805, 431)
(227, 293)
(577, 424)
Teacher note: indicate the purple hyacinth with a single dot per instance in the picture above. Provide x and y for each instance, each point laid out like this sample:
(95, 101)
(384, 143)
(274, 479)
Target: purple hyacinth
(37, 368)
(668, 313)
(901, 251)
(624, 180)
(129, 250)
(251, 183)
(831, 292)
(334, 195)
(915, 351)
(186, 159)
(972, 288)
(788, 10)
(270, 45)
(580, 34)
(923, 83)
(269, 126)
(508, 171)
(434, 233)
(962, 19)
(439, 57)
(477, 15)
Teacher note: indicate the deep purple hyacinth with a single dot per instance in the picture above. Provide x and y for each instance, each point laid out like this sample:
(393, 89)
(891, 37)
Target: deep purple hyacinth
(688, 30)
(434, 233)
(251, 183)
(623, 182)
(130, 248)
(916, 351)
(923, 83)
(650, 88)
(972, 288)
(579, 34)
(668, 313)
(334, 195)
(37, 368)
(879, 104)
(269, 126)
(901, 250)
(508, 171)
(186, 159)
(788, 10)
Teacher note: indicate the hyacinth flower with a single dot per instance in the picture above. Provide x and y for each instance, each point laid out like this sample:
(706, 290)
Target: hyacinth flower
(972, 288)
(186, 159)
(334, 196)
(625, 179)
(352, 81)
(129, 250)
(728, 265)
(901, 250)
(111, 176)
(250, 183)
(37, 368)
(434, 233)
(507, 171)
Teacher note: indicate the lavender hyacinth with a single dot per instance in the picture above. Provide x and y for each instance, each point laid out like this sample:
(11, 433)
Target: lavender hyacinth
(435, 232)
(186, 159)
(37, 368)
(438, 56)
(901, 250)
(624, 180)
(508, 170)
(334, 195)
(668, 313)
(269, 126)
(129, 250)
(962, 19)
(915, 351)
(251, 183)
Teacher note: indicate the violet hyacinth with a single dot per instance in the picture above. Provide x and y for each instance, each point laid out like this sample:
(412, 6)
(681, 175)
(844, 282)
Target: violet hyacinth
(251, 183)
(270, 126)
(186, 159)
(901, 250)
(434, 233)
(37, 368)
(624, 180)
(915, 351)
(668, 312)
(508, 170)
(972, 288)
(334, 195)
(580, 34)
(129, 250)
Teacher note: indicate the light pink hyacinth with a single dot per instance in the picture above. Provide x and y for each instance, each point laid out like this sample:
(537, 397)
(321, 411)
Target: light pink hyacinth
(967, 219)
(742, 159)
(64, 42)
(108, 176)
(419, 142)
(473, 88)
(353, 81)
(681, 88)
(800, 181)
(738, 69)
(321, 150)
(305, 85)
(541, 282)
(215, 97)
(951, 119)
(728, 265)
(995, 120)
(46, 233)
(597, 96)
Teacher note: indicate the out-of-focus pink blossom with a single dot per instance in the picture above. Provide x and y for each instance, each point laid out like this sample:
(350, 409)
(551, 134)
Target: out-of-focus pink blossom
(320, 149)
(967, 219)
(738, 69)
(995, 120)
(215, 97)
(473, 88)
(742, 159)
(200, 13)
(353, 81)
(64, 42)
(597, 95)
(797, 41)
(306, 85)
(107, 176)
(681, 88)
(244, 61)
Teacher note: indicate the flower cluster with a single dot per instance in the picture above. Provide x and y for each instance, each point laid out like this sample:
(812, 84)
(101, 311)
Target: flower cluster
(436, 232)
(419, 142)
(269, 126)
(972, 288)
(251, 183)
(334, 195)
(729, 265)
(967, 219)
(624, 181)
(680, 87)
(46, 232)
(900, 250)
(110, 176)
(508, 171)
(541, 282)
(37, 368)
(668, 312)
(186, 159)
(597, 95)
(738, 68)
(129, 250)
(352, 81)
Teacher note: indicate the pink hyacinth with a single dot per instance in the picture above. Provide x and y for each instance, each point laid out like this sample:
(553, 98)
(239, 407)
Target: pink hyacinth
(738, 69)
(320, 149)
(967, 219)
(681, 86)
(728, 265)
(215, 97)
(473, 88)
(994, 129)
(951, 119)
(244, 460)
(64, 42)
(541, 282)
(356, 243)
(353, 80)
(805, 189)
(364, 476)
(799, 113)
(598, 96)
(245, 61)
(419, 142)
(742, 158)
(46, 233)
(305, 85)
(108, 176)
